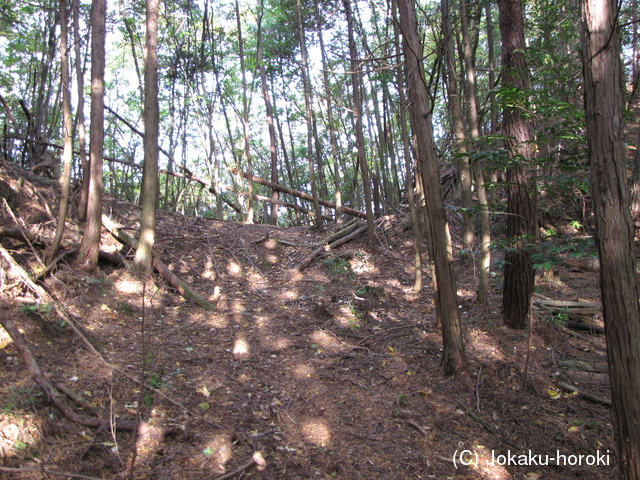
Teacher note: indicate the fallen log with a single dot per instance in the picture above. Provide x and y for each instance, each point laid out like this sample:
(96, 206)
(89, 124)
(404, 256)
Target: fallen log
(56, 397)
(296, 193)
(62, 314)
(184, 289)
(326, 248)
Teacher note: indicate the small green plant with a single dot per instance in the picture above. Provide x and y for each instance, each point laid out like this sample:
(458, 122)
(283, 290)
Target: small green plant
(125, 308)
(43, 309)
(149, 358)
(338, 267)
(21, 398)
(560, 318)
(155, 380)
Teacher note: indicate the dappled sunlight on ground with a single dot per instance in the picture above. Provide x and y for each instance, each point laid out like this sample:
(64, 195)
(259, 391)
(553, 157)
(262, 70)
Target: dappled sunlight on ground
(315, 431)
(333, 374)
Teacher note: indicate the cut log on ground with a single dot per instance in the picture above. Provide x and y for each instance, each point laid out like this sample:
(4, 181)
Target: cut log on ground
(296, 193)
(184, 289)
(328, 247)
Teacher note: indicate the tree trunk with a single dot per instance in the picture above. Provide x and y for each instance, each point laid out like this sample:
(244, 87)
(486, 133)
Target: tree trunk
(67, 152)
(150, 182)
(90, 246)
(330, 121)
(474, 128)
(414, 214)
(82, 134)
(245, 117)
(521, 193)
(439, 240)
(306, 84)
(455, 110)
(273, 143)
(357, 111)
(614, 231)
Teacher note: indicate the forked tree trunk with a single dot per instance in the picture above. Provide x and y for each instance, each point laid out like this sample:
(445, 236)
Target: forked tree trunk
(614, 231)
(90, 246)
(67, 152)
(521, 191)
(439, 240)
(474, 128)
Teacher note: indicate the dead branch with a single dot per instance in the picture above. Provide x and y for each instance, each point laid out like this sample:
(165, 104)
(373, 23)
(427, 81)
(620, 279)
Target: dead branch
(325, 248)
(44, 296)
(184, 289)
(570, 307)
(53, 394)
(22, 229)
(585, 395)
(296, 193)
(46, 471)
(257, 460)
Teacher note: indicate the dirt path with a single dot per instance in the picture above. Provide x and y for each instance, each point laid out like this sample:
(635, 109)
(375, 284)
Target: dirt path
(333, 374)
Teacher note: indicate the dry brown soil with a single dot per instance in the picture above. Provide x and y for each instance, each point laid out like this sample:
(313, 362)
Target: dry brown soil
(333, 374)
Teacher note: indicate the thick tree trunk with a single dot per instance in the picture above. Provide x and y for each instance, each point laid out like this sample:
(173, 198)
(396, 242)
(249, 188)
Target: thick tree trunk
(410, 184)
(614, 230)
(521, 193)
(90, 246)
(439, 240)
(150, 182)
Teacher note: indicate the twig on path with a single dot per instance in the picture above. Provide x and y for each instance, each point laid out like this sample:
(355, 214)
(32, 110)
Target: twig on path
(417, 427)
(257, 460)
(489, 428)
(383, 332)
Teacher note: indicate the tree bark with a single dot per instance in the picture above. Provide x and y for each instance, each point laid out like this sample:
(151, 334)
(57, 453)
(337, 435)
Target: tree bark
(150, 181)
(67, 152)
(519, 275)
(245, 116)
(90, 246)
(614, 230)
(273, 145)
(82, 134)
(439, 240)
(457, 121)
(330, 120)
(357, 111)
(474, 129)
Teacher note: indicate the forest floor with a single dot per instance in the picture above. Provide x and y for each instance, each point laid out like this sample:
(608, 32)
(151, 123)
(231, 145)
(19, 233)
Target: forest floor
(332, 374)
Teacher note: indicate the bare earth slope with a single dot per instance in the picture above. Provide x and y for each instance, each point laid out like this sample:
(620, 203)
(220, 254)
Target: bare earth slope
(333, 374)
